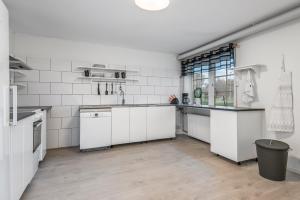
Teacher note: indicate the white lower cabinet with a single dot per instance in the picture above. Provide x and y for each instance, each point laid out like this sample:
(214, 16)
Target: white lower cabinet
(161, 122)
(120, 126)
(28, 154)
(138, 124)
(199, 127)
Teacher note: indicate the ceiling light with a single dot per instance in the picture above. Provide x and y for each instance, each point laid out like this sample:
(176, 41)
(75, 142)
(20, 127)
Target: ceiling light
(152, 5)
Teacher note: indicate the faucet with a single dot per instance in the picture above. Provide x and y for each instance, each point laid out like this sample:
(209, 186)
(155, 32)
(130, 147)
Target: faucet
(122, 93)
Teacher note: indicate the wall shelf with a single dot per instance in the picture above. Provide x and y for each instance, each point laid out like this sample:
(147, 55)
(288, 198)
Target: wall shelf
(105, 79)
(248, 67)
(110, 70)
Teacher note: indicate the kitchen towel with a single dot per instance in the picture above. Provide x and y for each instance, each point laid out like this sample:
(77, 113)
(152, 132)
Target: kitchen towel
(248, 95)
(281, 114)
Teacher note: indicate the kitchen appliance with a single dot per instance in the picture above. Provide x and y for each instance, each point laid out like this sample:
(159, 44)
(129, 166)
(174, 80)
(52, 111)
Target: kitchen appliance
(185, 98)
(117, 74)
(123, 75)
(15, 63)
(87, 73)
(37, 134)
(95, 128)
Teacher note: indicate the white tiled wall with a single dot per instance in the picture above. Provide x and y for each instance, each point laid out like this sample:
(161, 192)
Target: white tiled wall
(55, 82)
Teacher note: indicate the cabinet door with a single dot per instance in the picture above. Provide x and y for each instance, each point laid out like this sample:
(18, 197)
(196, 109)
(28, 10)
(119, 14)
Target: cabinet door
(138, 124)
(199, 127)
(16, 161)
(161, 122)
(120, 126)
(44, 136)
(28, 154)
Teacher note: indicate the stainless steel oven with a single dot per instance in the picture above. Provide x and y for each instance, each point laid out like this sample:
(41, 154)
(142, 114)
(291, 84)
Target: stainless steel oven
(37, 136)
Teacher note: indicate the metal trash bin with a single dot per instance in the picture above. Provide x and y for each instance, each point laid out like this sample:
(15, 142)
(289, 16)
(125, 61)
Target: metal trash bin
(272, 159)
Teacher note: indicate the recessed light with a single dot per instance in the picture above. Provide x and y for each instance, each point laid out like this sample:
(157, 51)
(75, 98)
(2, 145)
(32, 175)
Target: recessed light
(152, 5)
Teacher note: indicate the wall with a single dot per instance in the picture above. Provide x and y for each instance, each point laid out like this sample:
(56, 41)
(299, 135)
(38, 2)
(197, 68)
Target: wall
(267, 49)
(54, 80)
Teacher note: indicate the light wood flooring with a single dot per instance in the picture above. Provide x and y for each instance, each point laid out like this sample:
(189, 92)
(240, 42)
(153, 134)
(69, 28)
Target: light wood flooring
(164, 170)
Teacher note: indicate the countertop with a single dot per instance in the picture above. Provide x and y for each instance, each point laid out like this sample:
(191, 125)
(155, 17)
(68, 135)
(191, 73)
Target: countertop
(220, 108)
(120, 105)
(35, 107)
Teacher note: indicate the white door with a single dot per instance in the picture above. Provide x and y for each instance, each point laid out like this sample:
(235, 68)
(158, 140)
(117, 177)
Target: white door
(4, 104)
(120, 126)
(16, 160)
(138, 124)
(95, 131)
(161, 122)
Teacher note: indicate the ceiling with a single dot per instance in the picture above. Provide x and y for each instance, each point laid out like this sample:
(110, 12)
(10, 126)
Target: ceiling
(184, 25)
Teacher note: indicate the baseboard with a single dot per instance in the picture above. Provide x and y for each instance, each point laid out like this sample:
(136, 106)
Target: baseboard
(294, 164)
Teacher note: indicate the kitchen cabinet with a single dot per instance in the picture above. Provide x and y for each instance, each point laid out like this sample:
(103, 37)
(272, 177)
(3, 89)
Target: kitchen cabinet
(28, 154)
(44, 136)
(16, 161)
(199, 127)
(161, 122)
(233, 133)
(138, 124)
(120, 126)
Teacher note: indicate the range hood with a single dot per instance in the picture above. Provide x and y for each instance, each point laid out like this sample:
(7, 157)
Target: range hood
(15, 63)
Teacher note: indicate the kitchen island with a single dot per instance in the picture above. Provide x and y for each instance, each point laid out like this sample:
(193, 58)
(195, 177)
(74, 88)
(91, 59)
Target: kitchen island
(231, 131)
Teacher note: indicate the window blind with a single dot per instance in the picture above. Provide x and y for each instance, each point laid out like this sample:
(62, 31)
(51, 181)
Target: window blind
(214, 60)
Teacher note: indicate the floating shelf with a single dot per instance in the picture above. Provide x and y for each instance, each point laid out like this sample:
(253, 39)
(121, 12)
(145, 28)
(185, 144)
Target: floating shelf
(248, 67)
(107, 69)
(105, 79)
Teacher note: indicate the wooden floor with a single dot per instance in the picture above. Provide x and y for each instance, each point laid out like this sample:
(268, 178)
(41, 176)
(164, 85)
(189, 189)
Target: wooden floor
(172, 169)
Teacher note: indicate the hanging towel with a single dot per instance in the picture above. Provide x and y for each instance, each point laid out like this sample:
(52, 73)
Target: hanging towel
(248, 95)
(281, 114)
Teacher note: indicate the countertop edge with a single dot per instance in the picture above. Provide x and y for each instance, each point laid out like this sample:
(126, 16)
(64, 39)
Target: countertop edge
(233, 109)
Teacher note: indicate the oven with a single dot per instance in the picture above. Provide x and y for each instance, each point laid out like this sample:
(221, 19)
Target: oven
(37, 136)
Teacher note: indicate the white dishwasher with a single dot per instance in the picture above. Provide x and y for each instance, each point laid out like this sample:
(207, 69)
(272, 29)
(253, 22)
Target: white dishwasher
(95, 128)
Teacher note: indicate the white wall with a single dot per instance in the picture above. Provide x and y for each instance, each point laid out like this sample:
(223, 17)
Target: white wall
(54, 80)
(267, 49)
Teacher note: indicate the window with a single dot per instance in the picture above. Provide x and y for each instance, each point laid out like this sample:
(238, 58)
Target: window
(213, 72)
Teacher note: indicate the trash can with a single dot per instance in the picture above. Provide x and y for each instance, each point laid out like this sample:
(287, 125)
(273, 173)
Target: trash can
(272, 159)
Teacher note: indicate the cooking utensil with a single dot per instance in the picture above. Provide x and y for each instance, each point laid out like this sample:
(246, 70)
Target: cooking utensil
(106, 91)
(112, 89)
(98, 89)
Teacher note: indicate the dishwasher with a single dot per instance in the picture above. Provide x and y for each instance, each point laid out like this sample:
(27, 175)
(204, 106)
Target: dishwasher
(95, 128)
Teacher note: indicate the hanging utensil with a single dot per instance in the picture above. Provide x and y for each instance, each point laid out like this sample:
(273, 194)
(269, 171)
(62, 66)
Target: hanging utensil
(98, 89)
(112, 89)
(106, 91)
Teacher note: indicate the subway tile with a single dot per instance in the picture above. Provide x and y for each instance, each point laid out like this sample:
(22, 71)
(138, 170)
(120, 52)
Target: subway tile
(61, 65)
(133, 90)
(70, 122)
(109, 99)
(65, 137)
(52, 139)
(147, 90)
(38, 88)
(23, 89)
(82, 89)
(50, 76)
(75, 111)
(53, 123)
(91, 100)
(61, 111)
(166, 82)
(153, 99)
(128, 99)
(146, 71)
(75, 136)
(28, 100)
(50, 100)
(164, 99)
(140, 99)
(29, 75)
(61, 88)
(71, 77)
(71, 100)
(153, 81)
(39, 63)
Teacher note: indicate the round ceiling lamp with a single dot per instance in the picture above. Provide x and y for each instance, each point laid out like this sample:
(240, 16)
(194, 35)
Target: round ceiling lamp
(152, 5)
